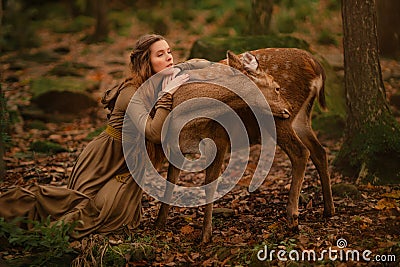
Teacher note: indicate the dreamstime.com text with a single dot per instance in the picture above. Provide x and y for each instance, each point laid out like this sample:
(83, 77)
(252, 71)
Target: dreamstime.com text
(340, 254)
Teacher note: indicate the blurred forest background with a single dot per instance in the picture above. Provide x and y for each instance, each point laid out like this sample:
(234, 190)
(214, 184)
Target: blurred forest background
(57, 58)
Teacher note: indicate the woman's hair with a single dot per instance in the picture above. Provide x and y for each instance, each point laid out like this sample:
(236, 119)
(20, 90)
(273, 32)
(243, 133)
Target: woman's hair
(140, 64)
(141, 70)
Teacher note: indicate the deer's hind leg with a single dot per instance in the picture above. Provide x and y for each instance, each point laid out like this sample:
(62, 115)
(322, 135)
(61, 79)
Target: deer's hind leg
(212, 173)
(302, 126)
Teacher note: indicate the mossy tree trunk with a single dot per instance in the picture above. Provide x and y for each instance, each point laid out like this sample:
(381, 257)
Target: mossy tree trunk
(371, 148)
(260, 16)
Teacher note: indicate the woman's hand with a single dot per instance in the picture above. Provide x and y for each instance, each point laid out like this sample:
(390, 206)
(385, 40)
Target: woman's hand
(172, 82)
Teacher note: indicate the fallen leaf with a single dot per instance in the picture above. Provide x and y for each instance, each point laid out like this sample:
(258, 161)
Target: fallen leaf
(187, 229)
(385, 203)
(394, 194)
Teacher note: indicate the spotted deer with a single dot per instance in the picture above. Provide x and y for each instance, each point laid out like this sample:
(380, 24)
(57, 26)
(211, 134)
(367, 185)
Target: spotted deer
(301, 79)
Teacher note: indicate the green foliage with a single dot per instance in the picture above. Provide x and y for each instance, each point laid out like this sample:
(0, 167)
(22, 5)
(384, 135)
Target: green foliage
(74, 25)
(330, 124)
(4, 119)
(214, 48)
(334, 5)
(37, 124)
(117, 255)
(154, 20)
(47, 240)
(373, 153)
(42, 85)
(46, 147)
(291, 12)
(120, 21)
(17, 31)
(182, 16)
(69, 69)
(41, 57)
(100, 252)
(285, 22)
(95, 133)
(326, 37)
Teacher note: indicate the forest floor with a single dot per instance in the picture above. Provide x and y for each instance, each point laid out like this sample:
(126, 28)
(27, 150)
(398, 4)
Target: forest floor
(367, 216)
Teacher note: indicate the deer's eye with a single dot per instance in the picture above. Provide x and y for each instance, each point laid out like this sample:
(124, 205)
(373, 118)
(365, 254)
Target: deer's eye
(277, 89)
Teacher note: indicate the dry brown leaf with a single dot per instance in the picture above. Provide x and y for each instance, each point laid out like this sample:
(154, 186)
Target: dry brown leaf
(394, 194)
(385, 203)
(187, 229)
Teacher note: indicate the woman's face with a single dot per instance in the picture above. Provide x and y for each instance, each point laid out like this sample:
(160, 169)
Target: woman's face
(160, 56)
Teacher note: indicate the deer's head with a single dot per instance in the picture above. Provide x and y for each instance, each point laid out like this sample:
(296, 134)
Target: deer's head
(248, 65)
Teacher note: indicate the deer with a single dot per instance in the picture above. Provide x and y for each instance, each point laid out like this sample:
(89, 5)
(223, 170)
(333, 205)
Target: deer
(298, 79)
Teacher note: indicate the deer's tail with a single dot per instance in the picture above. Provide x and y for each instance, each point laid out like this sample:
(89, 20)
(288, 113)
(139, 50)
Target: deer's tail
(319, 71)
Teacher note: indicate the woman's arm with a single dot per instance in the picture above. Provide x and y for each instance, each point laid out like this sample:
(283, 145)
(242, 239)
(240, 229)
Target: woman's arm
(195, 63)
(154, 125)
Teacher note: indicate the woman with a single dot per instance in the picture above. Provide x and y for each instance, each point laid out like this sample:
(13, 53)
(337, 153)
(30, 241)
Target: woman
(101, 193)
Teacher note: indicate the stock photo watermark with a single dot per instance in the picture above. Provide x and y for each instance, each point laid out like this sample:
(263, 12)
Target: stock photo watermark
(338, 253)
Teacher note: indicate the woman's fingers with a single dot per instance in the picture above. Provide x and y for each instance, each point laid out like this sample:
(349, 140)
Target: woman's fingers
(173, 85)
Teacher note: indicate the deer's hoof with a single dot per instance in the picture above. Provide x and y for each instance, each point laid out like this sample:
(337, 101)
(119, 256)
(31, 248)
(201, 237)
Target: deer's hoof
(206, 236)
(293, 222)
(206, 239)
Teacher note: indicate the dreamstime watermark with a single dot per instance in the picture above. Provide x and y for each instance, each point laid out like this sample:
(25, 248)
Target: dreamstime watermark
(339, 253)
(206, 109)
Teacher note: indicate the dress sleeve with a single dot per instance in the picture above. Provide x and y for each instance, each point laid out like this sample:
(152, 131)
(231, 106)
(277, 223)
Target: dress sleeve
(154, 125)
(195, 63)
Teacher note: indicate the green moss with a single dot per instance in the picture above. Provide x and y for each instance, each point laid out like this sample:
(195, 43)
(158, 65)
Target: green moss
(121, 21)
(285, 22)
(46, 147)
(326, 37)
(40, 57)
(44, 84)
(214, 48)
(329, 124)
(78, 24)
(95, 133)
(37, 124)
(373, 153)
(69, 69)
(345, 190)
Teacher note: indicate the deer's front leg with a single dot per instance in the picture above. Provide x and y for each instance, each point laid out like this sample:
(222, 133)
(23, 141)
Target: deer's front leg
(172, 176)
(212, 173)
(298, 155)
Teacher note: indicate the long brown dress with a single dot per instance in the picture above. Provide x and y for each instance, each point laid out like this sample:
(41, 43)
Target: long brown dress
(101, 192)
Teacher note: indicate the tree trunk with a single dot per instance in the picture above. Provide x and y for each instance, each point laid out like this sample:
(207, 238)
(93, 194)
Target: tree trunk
(2, 134)
(388, 27)
(260, 16)
(101, 28)
(371, 147)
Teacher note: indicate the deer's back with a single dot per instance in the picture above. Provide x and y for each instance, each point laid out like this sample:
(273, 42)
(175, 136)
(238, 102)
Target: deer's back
(293, 69)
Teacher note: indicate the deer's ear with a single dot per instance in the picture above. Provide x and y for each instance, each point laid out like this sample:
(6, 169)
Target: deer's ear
(233, 60)
(250, 62)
